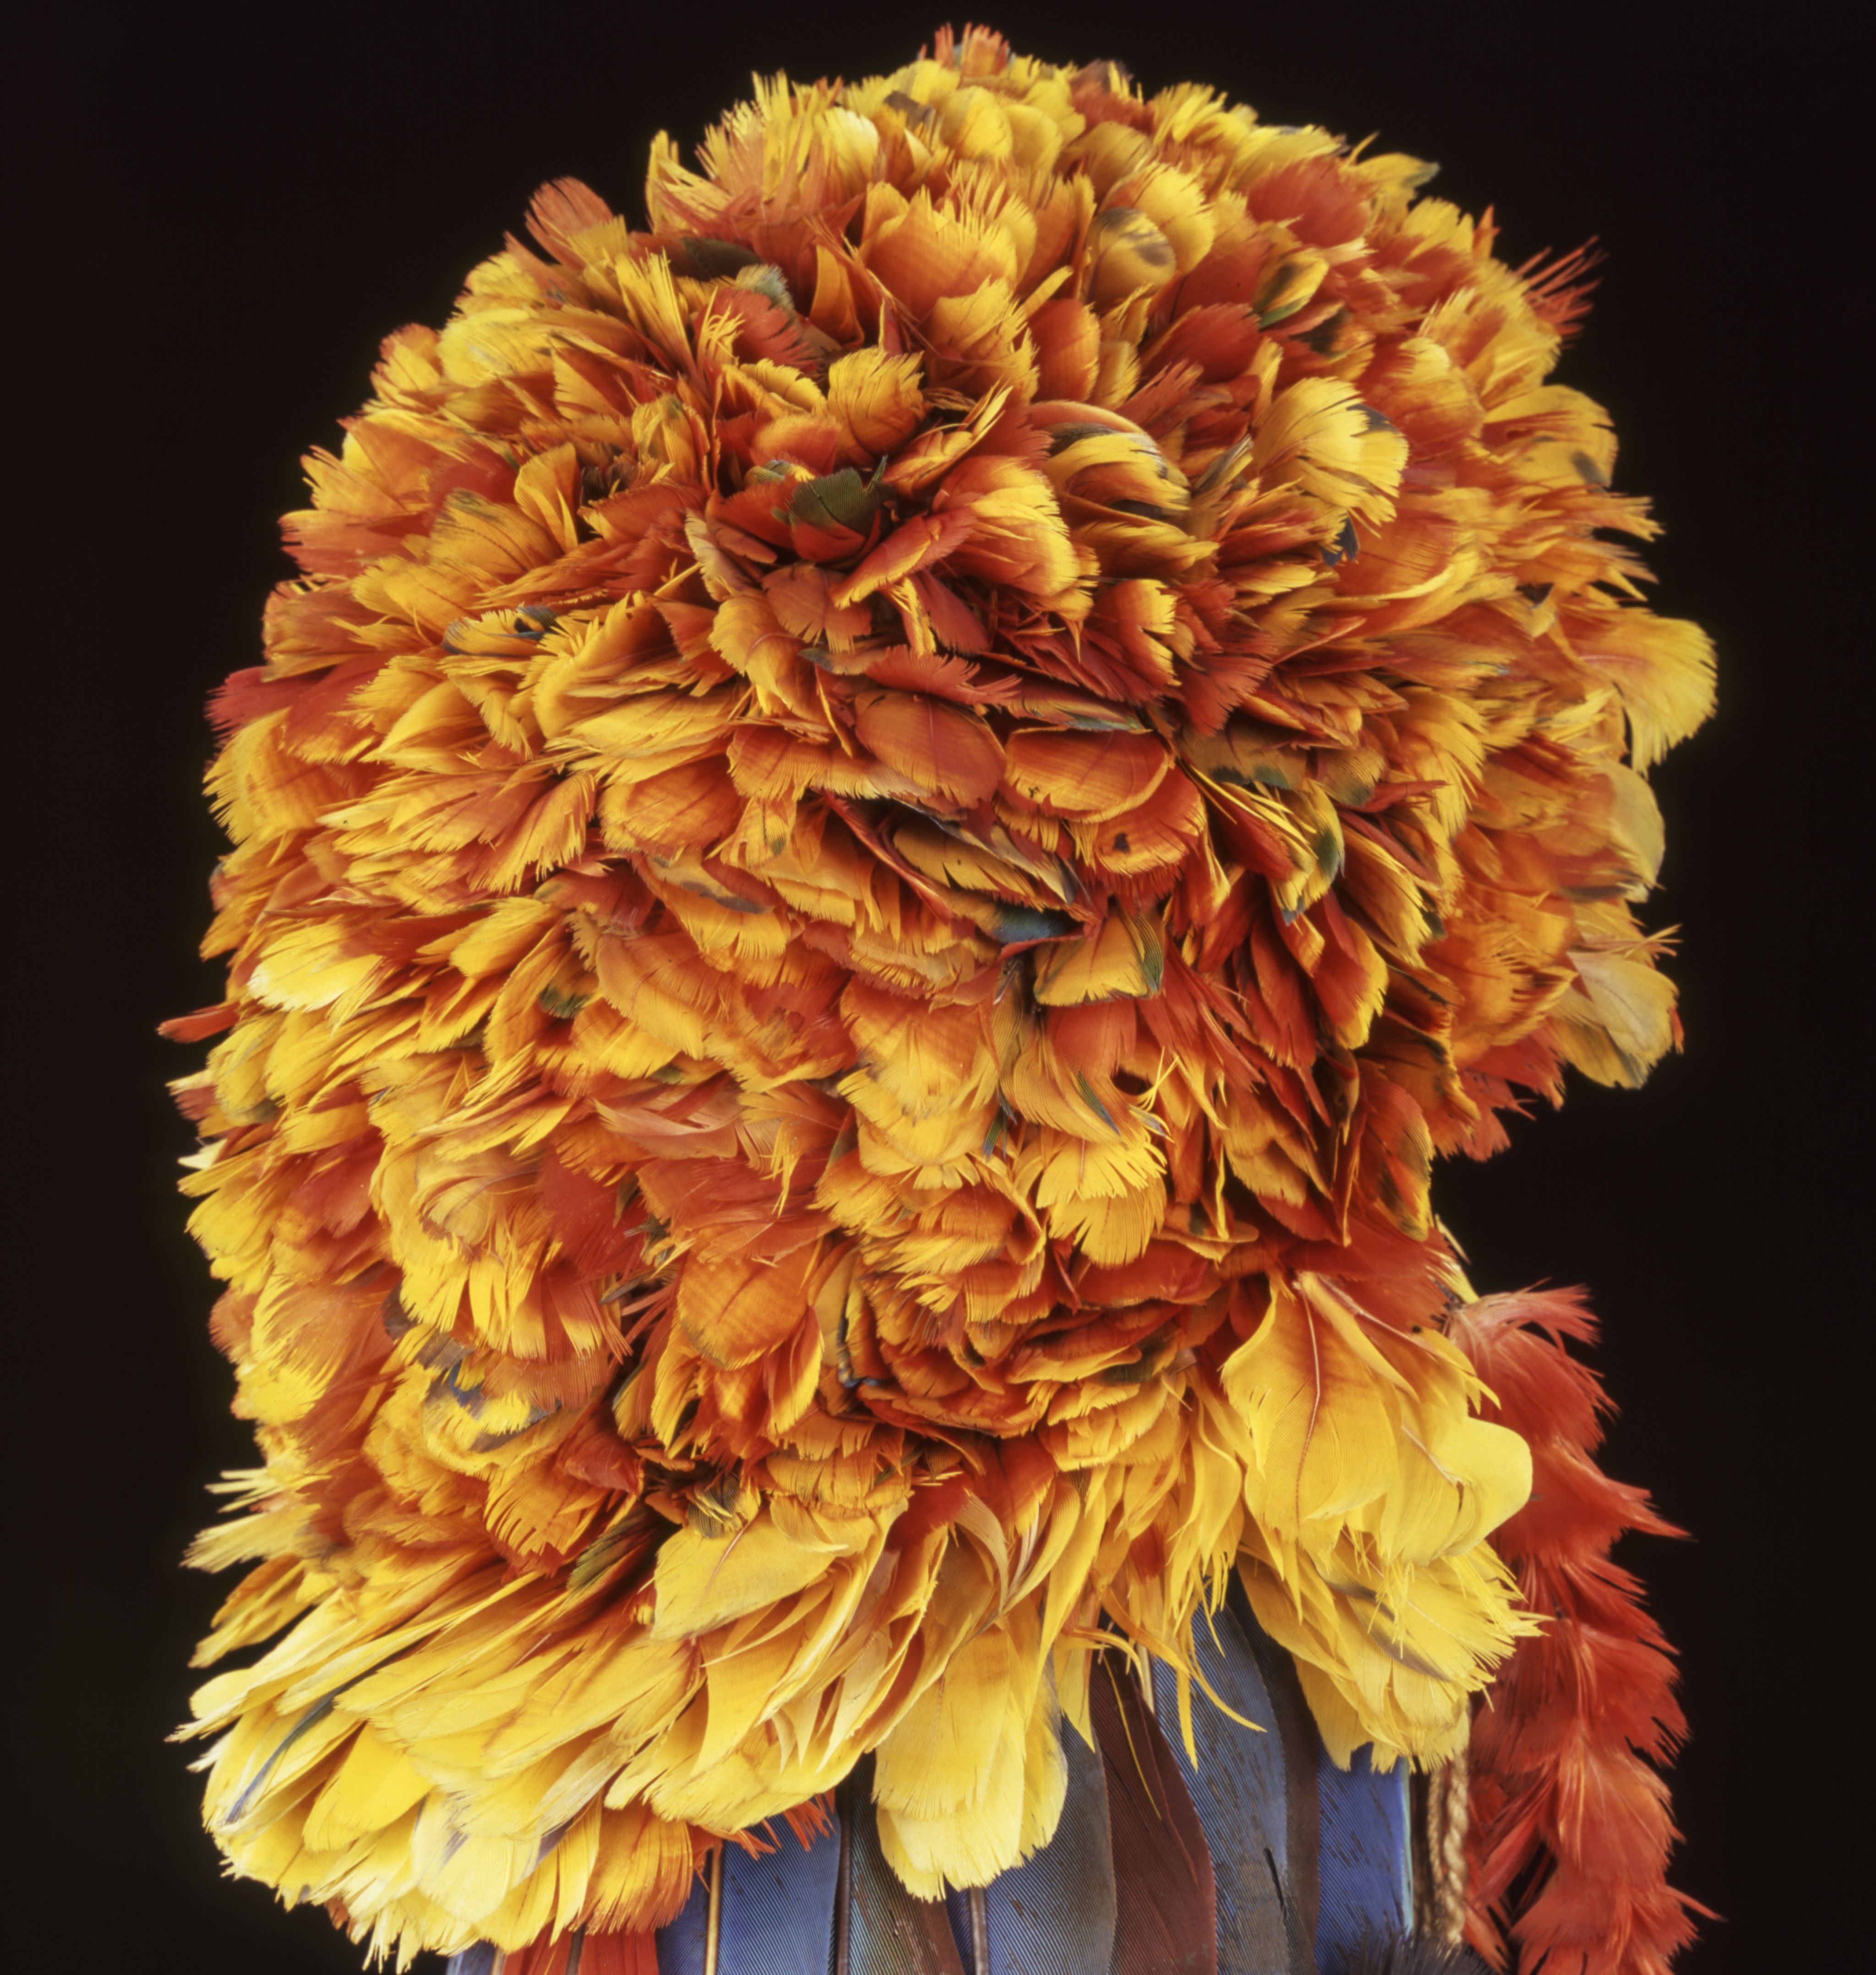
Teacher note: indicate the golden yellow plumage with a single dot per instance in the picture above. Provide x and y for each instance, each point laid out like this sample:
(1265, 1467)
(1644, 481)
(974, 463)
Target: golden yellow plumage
(889, 824)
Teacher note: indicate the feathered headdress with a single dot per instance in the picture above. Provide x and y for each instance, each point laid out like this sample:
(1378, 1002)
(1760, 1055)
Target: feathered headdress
(889, 824)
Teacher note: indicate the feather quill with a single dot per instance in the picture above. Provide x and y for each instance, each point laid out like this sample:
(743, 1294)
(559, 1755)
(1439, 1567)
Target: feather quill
(688, 1945)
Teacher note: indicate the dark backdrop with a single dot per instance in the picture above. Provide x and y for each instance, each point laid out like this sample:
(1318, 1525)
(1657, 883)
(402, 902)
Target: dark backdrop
(226, 205)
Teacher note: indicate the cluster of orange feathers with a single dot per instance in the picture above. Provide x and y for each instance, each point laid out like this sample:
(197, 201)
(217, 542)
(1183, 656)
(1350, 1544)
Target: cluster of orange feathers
(889, 824)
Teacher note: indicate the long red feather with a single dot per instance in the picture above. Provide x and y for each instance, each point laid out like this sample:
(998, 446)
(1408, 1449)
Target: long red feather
(1571, 1831)
(1167, 1912)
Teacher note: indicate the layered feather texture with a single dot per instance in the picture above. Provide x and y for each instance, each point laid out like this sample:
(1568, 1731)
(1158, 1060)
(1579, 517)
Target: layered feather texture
(888, 824)
(1571, 1829)
(1264, 1874)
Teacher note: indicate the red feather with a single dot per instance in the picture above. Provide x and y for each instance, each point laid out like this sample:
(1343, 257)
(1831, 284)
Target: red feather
(583, 1954)
(1165, 1918)
(1570, 1832)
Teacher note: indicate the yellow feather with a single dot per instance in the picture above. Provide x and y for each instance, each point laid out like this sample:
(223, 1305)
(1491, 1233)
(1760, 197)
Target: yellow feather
(696, 1590)
(372, 1788)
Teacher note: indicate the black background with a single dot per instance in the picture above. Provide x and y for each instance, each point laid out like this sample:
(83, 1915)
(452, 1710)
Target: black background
(225, 208)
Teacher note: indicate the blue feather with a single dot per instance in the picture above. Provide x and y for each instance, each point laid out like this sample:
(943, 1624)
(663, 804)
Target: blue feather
(480, 1959)
(1296, 1729)
(776, 1916)
(1016, 925)
(1239, 1788)
(1054, 1915)
(683, 1943)
(1366, 1894)
(778, 1911)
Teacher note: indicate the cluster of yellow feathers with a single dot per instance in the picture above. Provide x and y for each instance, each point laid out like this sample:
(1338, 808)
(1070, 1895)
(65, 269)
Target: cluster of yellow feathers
(890, 823)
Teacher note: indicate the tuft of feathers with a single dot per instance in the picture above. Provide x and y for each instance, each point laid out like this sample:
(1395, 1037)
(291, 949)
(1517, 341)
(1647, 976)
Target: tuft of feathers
(1584, 1713)
(890, 821)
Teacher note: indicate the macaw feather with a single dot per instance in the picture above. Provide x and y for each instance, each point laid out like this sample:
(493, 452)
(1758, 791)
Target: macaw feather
(889, 823)
(1234, 1763)
(1166, 1903)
